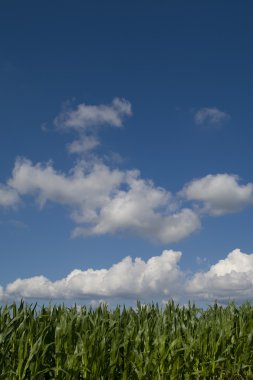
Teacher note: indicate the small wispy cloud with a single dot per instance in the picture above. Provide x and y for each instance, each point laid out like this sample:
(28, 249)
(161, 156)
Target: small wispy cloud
(86, 120)
(83, 145)
(8, 196)
(87, 116)
(211, 116)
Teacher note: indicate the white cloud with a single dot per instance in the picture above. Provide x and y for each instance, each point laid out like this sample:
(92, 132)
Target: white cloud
(1, 293)
(221, 193)
(87, 185)
(159, 276)
(201, 260)
(83, 144)
(229, 278)
(8, 196)
(141, 209)
(211, 116)
(104, 201)
(87, 116)
(178, 226)
(86, 119)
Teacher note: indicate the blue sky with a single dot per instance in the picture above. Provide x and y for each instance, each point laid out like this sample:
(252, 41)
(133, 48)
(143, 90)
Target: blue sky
(126, 131)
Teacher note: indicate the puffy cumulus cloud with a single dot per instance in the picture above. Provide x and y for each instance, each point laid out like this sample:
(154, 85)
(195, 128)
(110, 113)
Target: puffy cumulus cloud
(103, 201)
(8, 196)
(142, 210)
(85, 185)
(156, 279)
(167, 229)
(159, 276)
(178, 226)
(86, 116)
(211, 116)
(229, 278)
(221, 193)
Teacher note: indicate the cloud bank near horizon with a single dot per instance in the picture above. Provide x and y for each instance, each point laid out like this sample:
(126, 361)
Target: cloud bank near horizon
(159, 278)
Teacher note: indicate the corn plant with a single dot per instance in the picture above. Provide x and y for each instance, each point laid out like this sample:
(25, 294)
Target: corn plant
(146, 342)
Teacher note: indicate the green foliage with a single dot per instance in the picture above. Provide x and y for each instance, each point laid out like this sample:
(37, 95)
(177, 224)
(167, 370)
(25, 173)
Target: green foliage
(146, 343)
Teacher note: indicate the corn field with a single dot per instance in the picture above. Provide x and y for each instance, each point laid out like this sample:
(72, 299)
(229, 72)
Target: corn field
(146, 342)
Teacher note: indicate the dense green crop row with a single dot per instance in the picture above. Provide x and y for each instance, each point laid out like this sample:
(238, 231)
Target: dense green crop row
(143, 343)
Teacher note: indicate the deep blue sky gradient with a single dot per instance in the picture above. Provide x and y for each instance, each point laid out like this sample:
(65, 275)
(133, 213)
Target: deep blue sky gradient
(168, 58)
